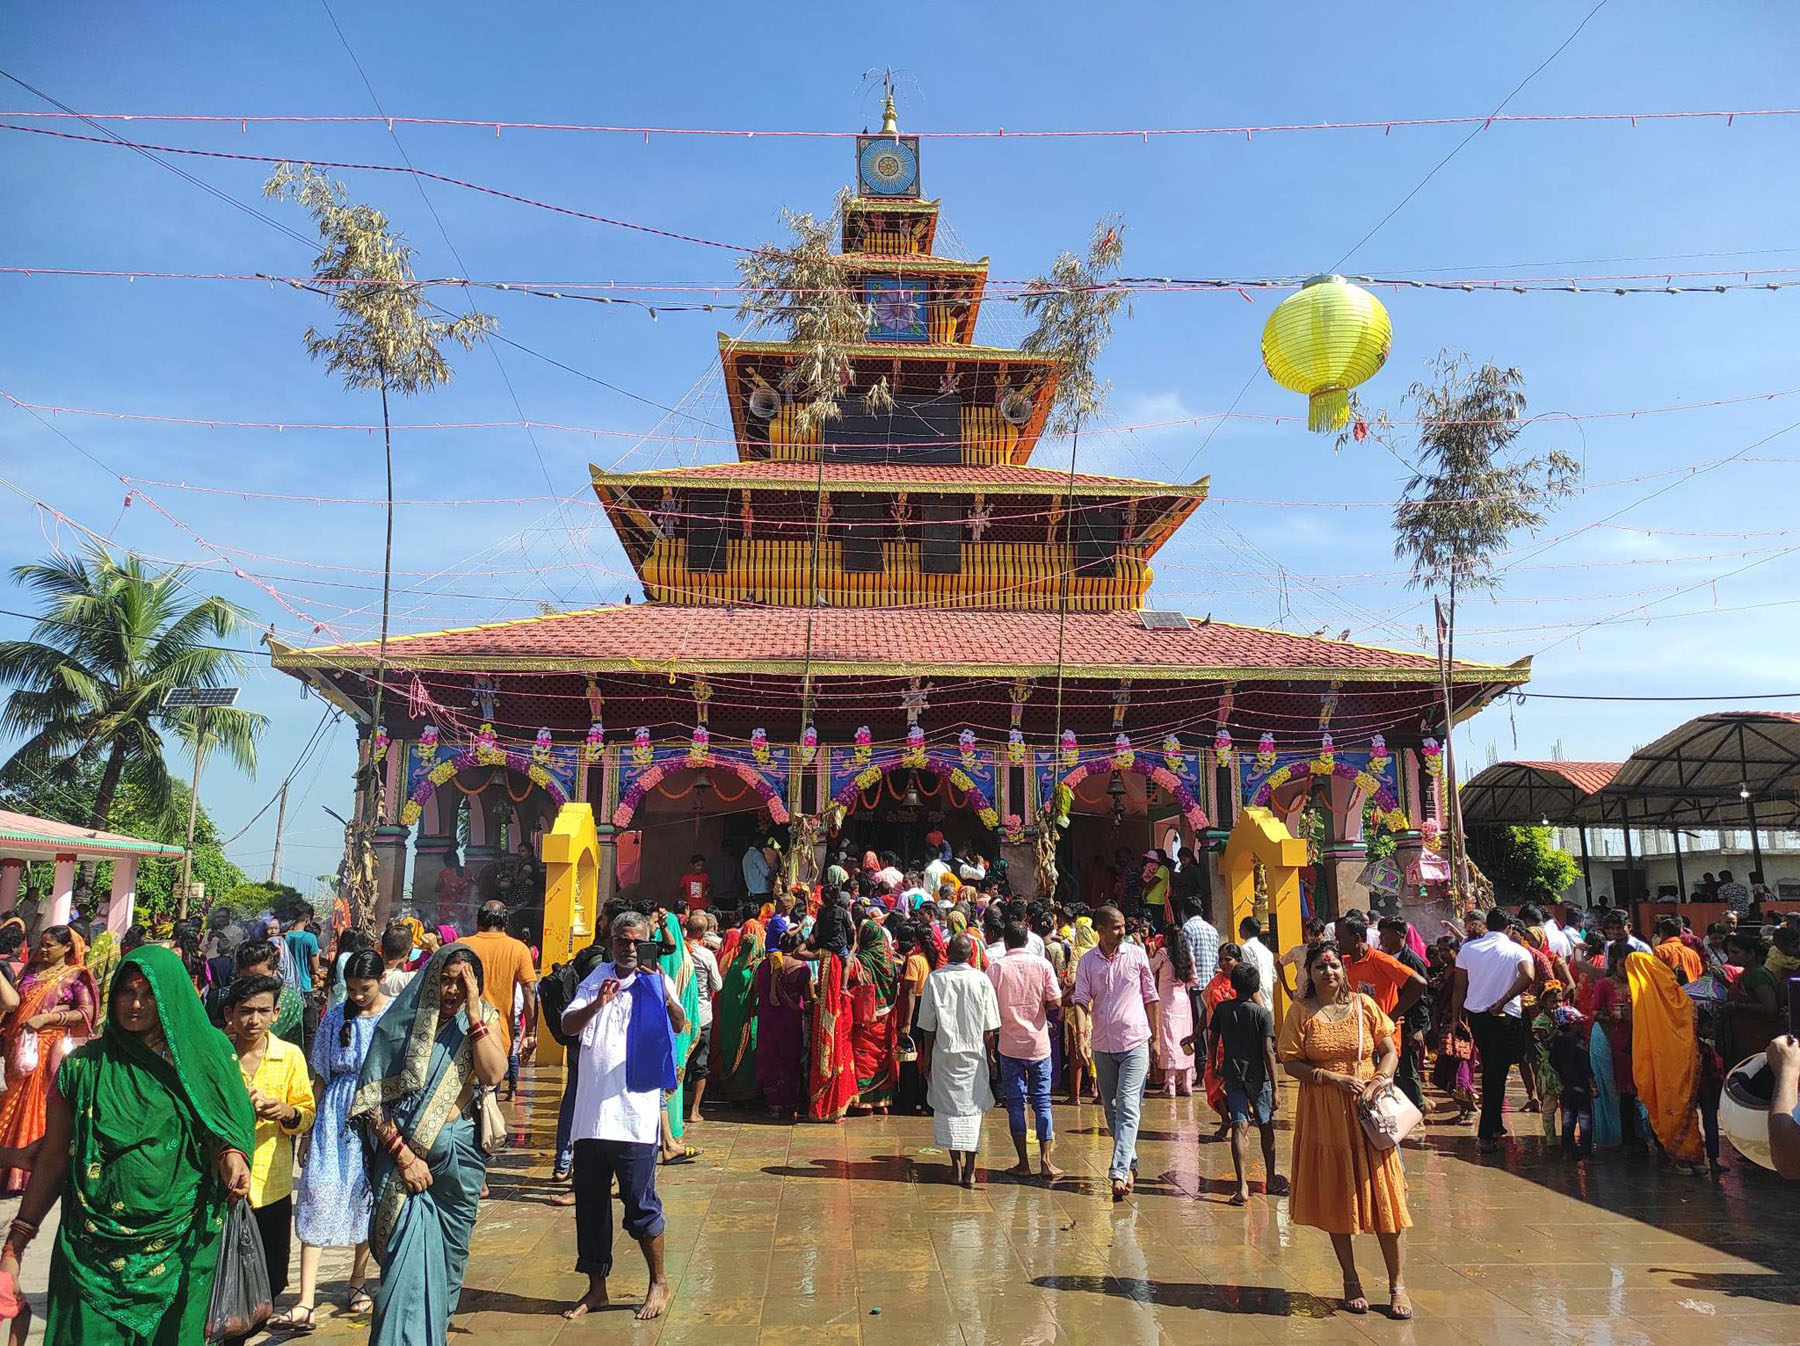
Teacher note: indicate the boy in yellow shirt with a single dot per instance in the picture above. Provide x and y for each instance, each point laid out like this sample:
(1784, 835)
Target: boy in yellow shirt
(275, 1073)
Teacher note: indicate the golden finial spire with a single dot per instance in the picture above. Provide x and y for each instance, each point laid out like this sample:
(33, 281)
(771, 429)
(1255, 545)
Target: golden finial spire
(890, 124)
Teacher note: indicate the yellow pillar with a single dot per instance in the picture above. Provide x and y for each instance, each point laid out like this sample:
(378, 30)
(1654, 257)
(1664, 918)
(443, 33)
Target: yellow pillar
(1260, 835)
(571, 898)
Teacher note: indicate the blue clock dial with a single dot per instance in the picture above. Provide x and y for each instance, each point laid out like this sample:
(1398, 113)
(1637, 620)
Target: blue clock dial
(888, 167)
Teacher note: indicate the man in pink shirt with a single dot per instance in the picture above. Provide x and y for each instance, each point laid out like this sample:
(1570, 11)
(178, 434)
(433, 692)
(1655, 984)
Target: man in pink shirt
(1115, 982)
(1025, 985)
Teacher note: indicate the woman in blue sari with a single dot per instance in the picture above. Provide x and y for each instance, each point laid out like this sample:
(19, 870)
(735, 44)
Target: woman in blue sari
(415, 1101)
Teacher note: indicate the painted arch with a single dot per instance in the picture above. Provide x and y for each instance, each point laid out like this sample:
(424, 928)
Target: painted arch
(1184, 796)
(940, 765)
(446, 768)
(656, 773)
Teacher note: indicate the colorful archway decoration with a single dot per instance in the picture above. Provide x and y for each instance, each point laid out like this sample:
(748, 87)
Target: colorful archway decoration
(447, 767)
(1160, 776)
(1387, 807)
(939, 764)
(654, 775)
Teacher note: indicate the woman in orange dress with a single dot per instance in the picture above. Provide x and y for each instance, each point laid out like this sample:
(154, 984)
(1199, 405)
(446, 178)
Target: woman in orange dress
(1340, 1046)
(55, 1014)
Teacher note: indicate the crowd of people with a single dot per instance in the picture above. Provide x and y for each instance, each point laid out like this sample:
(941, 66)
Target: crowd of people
(349, 1092)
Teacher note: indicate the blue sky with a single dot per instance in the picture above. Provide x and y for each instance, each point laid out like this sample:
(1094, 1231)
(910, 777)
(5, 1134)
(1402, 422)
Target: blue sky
(1558, 199)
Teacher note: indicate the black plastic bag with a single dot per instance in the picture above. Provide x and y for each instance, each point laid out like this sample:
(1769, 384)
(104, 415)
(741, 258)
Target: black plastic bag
(241, 1302)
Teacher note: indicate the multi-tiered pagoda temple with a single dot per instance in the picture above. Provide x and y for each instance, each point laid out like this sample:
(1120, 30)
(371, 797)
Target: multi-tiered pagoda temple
(865, 626)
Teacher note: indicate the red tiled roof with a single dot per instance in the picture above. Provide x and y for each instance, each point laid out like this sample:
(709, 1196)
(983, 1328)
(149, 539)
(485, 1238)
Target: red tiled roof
(649, 637)
(1587, 777)
(765, 472)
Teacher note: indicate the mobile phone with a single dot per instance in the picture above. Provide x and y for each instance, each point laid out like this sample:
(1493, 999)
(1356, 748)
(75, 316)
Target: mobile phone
(652, 951)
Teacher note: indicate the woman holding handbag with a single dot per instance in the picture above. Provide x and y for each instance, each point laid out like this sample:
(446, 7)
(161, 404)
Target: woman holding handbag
(1340, 1046)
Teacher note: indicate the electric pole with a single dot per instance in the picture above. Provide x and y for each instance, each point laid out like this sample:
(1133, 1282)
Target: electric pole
(280, 819)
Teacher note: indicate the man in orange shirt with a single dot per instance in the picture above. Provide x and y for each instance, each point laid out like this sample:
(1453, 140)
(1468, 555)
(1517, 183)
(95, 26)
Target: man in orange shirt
(1387, 981)
(505, 963)
(1680, 959)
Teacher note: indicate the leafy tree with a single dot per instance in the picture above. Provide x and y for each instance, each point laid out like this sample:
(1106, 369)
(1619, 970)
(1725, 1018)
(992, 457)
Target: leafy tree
(1523, 863)
(254, 899)
(110, 642)
(1472, 489)
(388, 338)
(133, 815)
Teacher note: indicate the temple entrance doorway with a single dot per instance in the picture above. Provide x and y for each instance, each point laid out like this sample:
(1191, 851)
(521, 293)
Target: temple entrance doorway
(701, 811)
(909, 814)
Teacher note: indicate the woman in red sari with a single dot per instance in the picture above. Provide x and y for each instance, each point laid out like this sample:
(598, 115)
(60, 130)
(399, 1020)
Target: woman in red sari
(874, 1028)
(1216, 993)
(57, 1003)
(831, 1086)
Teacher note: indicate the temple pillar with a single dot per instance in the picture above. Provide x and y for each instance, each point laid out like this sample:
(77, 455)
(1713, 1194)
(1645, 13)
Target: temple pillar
(1345, 853)
(430, 855)
(62, 894)
(390, 871)
(12, 877)
(122, 904)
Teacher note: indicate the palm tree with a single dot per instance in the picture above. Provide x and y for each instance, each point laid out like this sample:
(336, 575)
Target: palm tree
(88, 685)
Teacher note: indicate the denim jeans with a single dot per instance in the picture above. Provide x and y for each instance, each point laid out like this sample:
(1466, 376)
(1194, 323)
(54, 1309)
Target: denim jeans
(565, 1115)
(1122, 1076)
(1577, 1111)
(1021, 1081)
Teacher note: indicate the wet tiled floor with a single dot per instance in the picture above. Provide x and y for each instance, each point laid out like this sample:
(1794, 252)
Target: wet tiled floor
(796, 1235)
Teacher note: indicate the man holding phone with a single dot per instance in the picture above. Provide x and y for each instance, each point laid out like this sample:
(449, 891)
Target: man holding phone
(624, 1017)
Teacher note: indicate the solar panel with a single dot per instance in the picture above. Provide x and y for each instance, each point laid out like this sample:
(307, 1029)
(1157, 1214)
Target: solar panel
(1155, 620)
(202, 698)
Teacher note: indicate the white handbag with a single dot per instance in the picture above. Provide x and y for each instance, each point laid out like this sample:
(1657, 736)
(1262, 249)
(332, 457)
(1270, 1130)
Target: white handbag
(1390, 1116)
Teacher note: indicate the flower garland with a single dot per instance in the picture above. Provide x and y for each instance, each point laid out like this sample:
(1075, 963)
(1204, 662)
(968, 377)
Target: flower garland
(699, 744)
(1171, 750)
(641, 752)
(428, 744)
(487, 746)
(759, 746)
(379, 748)
(865, 745)
(540, 750)
(1433, 753)
(635, 792)
(1123, 753)
(594, 744)
(1012, 829)
(1015, 747)
(914, 754)
(1071, 750)
(965, 746)
(809, 745)
(1265, 751)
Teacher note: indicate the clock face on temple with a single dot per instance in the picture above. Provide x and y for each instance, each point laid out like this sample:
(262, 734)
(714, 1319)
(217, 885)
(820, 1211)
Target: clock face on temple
(887, 165)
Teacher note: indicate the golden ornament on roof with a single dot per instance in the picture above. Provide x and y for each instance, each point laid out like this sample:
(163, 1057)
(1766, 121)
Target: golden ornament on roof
(1324, 341)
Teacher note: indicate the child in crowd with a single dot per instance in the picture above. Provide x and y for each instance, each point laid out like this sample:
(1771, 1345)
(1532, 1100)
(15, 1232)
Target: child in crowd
(1574, 1069)
(1245, 1032)
(1711, 1083)
(1543, 1031)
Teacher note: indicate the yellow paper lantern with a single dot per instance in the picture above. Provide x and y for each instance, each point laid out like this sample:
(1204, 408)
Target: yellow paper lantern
(1323, 341)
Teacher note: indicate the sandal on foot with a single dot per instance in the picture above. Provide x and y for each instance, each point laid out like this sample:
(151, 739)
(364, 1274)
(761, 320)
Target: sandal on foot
(688, 1154)
(297, 1320)
(1400, 1307)
(1354, 1299)
(360, 1301)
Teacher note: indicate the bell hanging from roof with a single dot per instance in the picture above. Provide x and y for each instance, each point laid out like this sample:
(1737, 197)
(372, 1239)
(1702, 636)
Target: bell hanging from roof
(1323, 341)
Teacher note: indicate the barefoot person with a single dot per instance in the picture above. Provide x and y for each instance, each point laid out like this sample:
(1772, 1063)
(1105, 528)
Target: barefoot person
(1245, 1032)
(959, 1020)
(1026, 988)
(627, 1020)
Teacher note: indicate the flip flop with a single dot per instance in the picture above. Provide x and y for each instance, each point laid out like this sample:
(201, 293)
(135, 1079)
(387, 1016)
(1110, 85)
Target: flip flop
(1238, 1199)
(688, 1154)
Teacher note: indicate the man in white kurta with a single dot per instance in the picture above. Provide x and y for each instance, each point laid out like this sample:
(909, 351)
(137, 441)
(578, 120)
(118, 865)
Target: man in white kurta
(959, 1018)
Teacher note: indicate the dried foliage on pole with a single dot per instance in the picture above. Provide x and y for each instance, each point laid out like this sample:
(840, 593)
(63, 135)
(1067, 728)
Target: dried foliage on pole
(1471, 490)
(1074, 307)
(389, 338)
(802, 289)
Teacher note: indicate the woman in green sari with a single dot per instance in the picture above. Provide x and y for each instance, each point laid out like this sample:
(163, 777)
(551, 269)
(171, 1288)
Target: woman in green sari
(874, 1036)
(678, 966)
(148, 1132)
(734, 1016)
(414, 1101)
